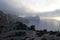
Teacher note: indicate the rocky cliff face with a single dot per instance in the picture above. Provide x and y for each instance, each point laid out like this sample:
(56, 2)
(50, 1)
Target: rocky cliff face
(3, 18)
(6, 19)
(9, 19)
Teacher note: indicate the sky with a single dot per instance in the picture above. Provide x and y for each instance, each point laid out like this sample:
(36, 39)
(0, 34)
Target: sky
(45, 9)
(28, 7)
(32, 5)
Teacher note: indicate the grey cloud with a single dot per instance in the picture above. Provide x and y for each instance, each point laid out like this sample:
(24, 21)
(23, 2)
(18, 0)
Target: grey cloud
(4, 6)
(52, 13)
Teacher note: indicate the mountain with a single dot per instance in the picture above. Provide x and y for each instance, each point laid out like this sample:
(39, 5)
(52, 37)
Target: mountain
(33, 20)
(7, 19)
(3, 18)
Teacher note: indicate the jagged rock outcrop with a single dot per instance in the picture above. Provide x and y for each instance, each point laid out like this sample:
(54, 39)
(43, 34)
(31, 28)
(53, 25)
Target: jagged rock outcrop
(3, 19)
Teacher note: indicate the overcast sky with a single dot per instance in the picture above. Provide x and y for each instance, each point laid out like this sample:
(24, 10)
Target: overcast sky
(29, 6)
(46, 9)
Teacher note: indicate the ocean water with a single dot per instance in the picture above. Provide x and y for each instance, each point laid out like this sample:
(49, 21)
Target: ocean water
(49, 24)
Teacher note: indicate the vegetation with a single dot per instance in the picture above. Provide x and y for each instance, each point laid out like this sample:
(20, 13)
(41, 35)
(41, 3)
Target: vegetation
(53, 33)
(20, 26)
(32, 27)
(20, 34)
(12, 39)
(41, 32)
(1, 28)
(44, 39)
(58, 34)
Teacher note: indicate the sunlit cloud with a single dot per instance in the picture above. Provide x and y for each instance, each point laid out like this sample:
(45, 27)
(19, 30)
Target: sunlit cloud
(57, 18)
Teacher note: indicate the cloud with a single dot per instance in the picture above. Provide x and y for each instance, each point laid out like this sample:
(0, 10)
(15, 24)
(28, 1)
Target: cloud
(27, 7)
(41, 5)
(10, 7)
